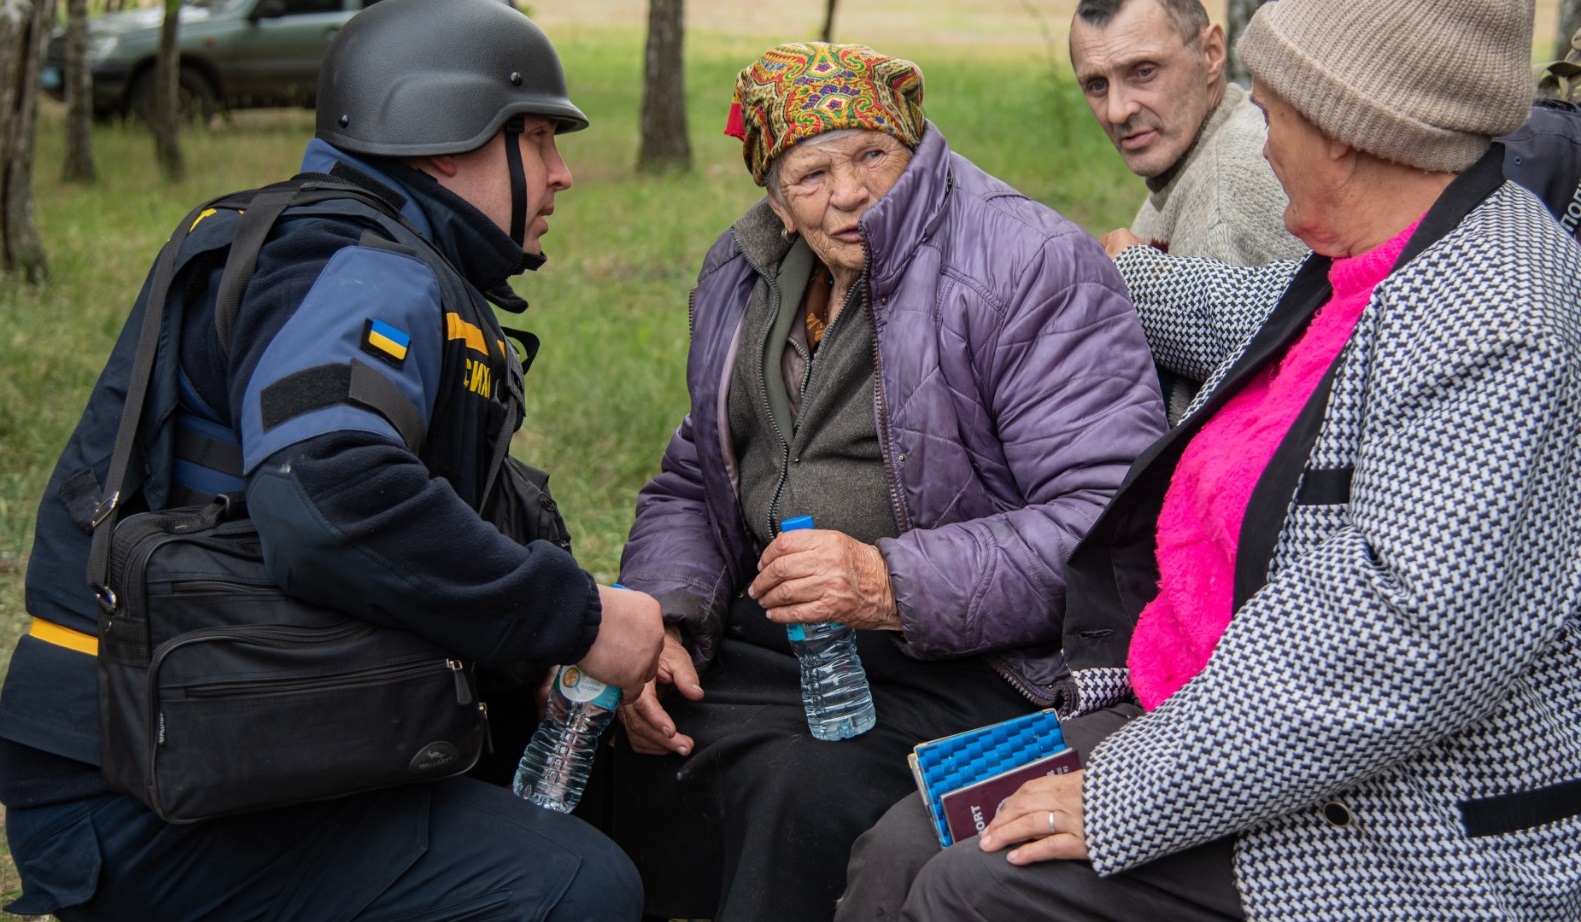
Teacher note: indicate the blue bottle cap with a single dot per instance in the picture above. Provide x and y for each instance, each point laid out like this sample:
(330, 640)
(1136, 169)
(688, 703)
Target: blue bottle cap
(796, 523)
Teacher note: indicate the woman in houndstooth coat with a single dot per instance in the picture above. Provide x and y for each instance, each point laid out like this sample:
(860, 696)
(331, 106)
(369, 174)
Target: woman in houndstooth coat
(1344, 590)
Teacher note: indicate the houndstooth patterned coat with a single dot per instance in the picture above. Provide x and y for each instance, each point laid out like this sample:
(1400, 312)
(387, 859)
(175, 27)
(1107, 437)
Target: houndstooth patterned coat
(1391, 724)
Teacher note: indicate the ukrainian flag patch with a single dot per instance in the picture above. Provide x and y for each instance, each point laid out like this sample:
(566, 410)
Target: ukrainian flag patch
(384, 341)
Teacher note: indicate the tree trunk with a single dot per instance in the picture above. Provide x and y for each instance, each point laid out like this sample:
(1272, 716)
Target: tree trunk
(828, 21)
(665, 145)
(78, 163)
(163, 115)
(1569, 22)
(1237, 15)
(24, 29)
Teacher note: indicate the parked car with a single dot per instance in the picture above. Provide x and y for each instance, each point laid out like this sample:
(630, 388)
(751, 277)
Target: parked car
(234, 54)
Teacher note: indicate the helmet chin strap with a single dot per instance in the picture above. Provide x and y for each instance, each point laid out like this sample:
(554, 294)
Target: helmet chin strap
(513, 160)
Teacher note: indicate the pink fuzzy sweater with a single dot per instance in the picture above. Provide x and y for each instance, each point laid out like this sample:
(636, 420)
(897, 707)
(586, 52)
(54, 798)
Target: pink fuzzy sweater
(1200, 524)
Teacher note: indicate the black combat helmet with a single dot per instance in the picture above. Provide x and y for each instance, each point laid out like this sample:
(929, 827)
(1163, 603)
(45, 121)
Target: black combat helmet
(409, 78)
(413, 78)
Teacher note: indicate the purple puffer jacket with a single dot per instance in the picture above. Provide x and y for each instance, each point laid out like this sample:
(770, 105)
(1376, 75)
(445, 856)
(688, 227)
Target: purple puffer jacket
(1014, 388)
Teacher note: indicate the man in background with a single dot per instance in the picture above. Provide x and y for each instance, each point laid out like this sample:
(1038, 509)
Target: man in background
(1152, 71)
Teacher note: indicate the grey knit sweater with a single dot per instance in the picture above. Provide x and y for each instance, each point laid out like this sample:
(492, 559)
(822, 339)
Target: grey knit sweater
(1224, 201)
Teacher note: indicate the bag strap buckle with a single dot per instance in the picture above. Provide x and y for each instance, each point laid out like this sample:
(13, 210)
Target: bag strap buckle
(106, 507)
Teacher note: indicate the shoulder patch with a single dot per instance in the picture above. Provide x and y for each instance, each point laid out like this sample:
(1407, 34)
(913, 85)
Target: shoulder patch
(383, 341)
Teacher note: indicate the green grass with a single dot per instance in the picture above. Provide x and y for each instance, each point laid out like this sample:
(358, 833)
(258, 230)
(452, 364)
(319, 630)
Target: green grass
(609, 384)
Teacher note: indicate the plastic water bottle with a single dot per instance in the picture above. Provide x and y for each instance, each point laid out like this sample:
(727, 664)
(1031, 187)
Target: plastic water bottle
(834, 688)
(559, 757)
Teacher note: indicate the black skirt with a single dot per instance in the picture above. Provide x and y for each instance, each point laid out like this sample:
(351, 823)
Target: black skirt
(757, 823)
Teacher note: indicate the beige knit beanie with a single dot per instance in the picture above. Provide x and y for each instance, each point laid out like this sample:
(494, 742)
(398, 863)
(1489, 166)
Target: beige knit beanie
(1427, 84)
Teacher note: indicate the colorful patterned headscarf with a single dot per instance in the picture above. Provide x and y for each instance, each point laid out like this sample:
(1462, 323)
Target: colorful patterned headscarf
(800, 90)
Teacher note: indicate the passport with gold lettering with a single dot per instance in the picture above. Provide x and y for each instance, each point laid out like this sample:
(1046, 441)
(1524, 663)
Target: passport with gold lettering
(953, 762)
(968, 809)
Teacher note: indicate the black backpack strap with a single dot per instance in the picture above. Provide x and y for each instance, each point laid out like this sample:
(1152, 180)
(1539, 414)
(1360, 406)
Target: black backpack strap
(251, 230)
(515, 404)
(154, 309)
(196, 448)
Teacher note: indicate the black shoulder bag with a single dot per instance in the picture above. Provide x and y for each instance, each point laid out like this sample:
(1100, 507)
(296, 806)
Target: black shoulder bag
(218, 692)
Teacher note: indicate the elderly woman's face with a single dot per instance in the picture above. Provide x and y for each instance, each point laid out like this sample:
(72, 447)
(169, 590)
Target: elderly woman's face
(825, 188)
(1309, 166)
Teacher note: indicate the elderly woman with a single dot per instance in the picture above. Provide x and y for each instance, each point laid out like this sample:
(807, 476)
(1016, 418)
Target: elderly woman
(1345, 588)
(949, 379)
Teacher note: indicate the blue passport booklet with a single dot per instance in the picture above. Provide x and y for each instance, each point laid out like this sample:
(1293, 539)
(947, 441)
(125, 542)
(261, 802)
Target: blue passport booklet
(954, 762)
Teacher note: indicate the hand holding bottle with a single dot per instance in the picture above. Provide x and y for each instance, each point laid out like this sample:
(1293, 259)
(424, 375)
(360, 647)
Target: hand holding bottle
(559, 758)
(812, 575)
(834, 689)
(625, 653)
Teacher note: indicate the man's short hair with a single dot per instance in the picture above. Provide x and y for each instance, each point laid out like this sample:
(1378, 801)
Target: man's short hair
(1189, 16)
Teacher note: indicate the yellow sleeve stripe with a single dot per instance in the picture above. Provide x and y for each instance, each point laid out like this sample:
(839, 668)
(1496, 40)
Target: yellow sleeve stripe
(50, 632)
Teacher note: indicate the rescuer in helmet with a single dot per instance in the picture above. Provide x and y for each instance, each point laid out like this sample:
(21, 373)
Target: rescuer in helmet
(382, 497)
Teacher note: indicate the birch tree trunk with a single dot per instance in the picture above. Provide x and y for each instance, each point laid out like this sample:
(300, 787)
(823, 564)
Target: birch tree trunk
(24, 28)
(163, 116)
(665, 145)
(78, 165)
(1237, 14)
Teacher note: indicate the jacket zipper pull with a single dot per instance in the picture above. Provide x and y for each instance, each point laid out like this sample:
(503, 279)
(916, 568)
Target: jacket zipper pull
(488, 731)
(463, 691)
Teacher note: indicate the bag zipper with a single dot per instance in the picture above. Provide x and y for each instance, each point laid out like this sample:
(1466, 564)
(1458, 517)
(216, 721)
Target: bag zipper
(375, 676)
(219, 585)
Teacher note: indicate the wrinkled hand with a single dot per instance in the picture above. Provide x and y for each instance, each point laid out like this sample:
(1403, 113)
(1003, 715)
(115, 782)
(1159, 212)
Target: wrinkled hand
(1024, 817)
(626, 651)
(1118, 239)
(648, 725)
(814, 575)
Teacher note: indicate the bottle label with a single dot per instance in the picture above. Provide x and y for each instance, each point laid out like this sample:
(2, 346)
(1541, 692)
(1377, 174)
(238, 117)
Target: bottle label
(815, 631)
(578, 686)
